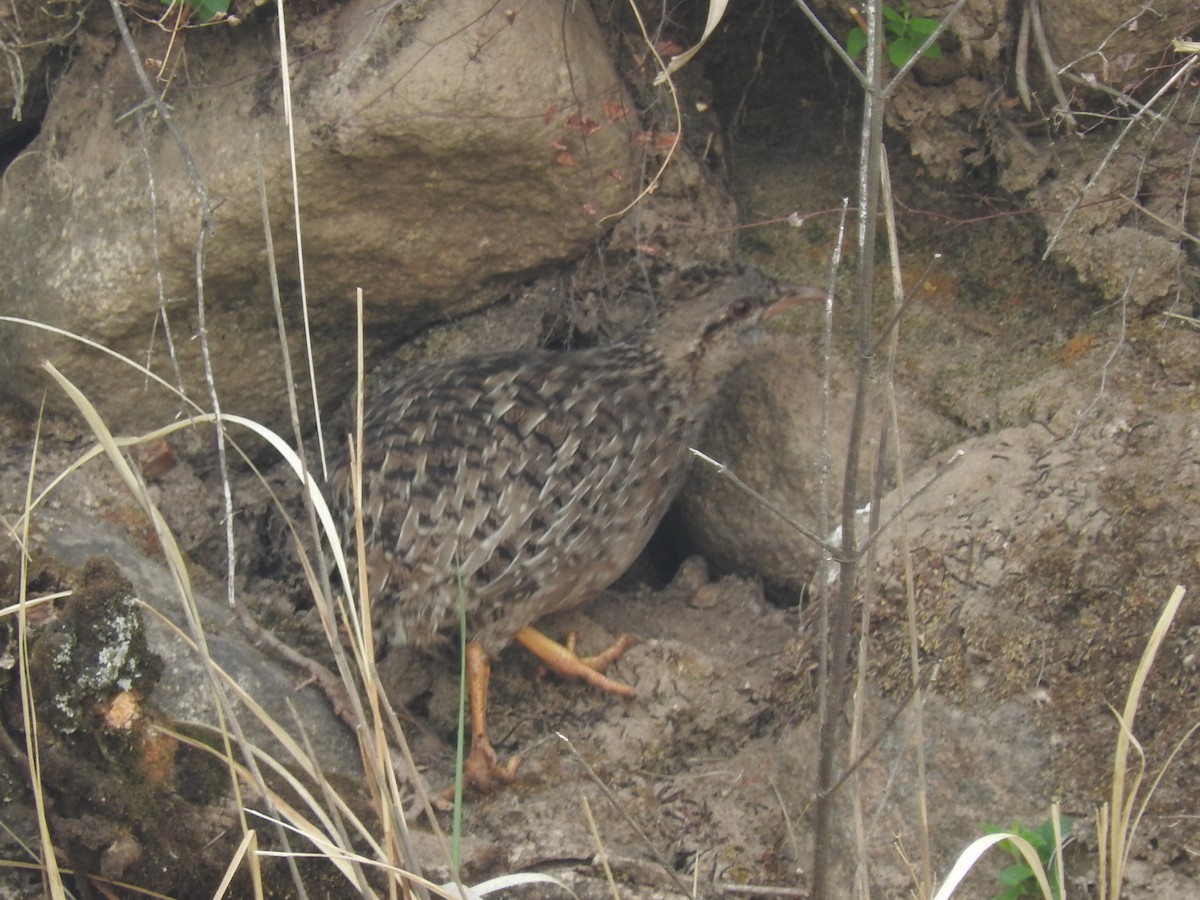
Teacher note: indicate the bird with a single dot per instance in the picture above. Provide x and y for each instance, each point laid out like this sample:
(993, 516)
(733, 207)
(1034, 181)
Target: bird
(513, 485)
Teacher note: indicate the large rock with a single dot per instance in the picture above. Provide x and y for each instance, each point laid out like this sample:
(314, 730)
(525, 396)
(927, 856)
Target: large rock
(444, 151)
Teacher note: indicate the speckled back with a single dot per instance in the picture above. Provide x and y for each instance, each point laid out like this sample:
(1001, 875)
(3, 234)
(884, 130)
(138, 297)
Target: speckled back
(532, 479)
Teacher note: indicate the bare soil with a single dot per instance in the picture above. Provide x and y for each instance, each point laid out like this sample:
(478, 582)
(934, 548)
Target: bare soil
(1039, 562)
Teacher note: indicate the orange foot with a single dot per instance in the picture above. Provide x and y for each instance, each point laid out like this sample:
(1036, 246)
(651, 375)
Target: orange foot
(483, 773)
(482, 770)
(564, 661)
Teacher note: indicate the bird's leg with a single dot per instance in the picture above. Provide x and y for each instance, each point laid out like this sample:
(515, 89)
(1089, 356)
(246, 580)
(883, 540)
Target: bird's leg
(566, 663)
(482, 771)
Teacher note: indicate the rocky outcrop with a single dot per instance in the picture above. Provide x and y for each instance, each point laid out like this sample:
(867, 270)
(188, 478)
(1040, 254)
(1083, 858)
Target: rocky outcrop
(443, 152)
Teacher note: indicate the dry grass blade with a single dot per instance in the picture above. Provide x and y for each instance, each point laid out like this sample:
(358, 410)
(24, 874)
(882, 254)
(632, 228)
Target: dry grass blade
(230, 727)
(95, 345)
(1116, 822)
(600, 849)
(248, 847)
(293, 820)
(716, 12)
(53, 878)
(112, 447)
(974, 852)
(624, 813)
(32, 603)
(307, 764)
(1122, 823)
(450, 891)
(289, 122)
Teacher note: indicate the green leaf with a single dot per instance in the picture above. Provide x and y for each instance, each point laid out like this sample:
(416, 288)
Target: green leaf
(1045, 834)
(922, 27)
(208, 9)
(856, 42)
(205, 9)
(901, 50)
(1015, 875)
(894, 17)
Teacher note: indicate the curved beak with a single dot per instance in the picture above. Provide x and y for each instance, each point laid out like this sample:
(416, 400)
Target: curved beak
(793, 295)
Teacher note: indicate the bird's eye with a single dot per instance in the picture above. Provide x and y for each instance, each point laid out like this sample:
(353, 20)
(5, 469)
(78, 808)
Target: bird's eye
(739, 309)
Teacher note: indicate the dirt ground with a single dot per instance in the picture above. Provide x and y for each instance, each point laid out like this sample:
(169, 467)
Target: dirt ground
(1041, 559)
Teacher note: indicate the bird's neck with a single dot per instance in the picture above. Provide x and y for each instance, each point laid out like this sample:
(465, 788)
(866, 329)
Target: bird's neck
(683, 394)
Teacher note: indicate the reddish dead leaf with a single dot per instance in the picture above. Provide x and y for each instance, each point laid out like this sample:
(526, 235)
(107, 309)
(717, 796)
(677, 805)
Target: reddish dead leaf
(614, 111)
(668, 48)
(582, 125)
(548, 115)
(616, 176)
(566, 160)
(666, 142)
(589, 209)
(641, 139)
(156, 458)
(649, 249)
(559, 144)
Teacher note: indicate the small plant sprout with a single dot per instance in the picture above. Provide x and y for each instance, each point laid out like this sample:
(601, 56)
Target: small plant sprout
(1018, 880)
(903, 31)
(206, 10)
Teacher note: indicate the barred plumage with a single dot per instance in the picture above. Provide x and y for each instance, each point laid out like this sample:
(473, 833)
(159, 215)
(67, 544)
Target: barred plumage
(535, 479)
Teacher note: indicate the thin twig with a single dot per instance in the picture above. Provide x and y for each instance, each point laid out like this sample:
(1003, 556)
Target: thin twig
(1021, 63)
(1120, 96)
(207, 228)
(725, 472)
(834, 44)
(887, 726)
(601, 852)
(1118, 345)
(621, 808)
(835, 641)
(158, 270)
(759, 890)
(285, 74)
(917, 289)
(909, 500)
(1039, 37)
(164, 112)
(1181, 73)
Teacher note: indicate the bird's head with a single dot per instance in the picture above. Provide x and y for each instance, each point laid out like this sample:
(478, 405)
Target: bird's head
(704, 339)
